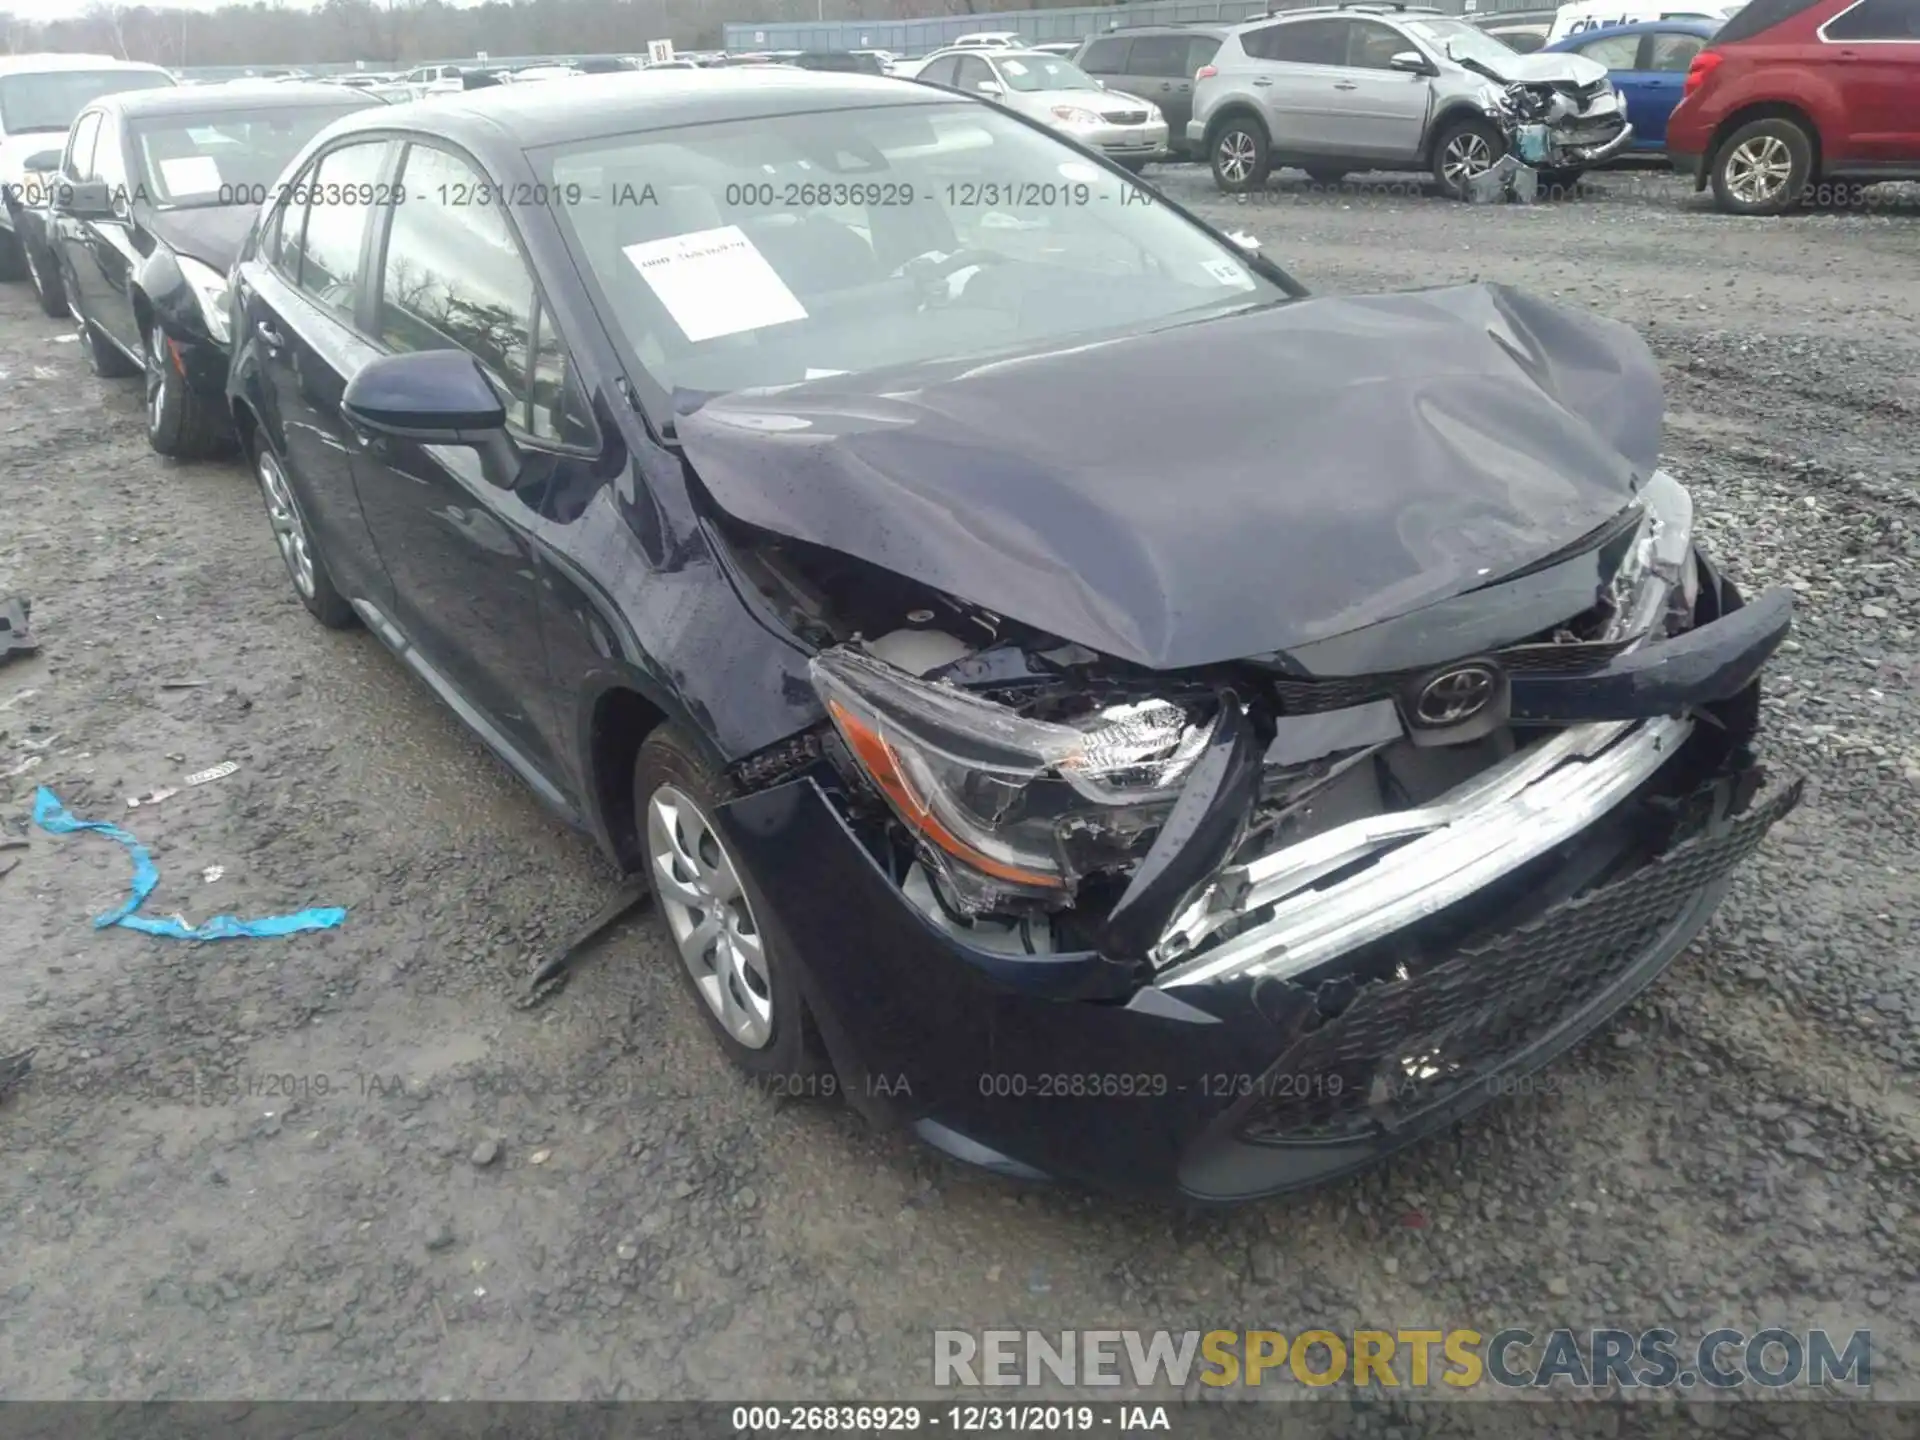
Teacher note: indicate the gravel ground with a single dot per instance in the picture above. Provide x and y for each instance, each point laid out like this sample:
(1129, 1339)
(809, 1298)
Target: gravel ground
(345, 1164)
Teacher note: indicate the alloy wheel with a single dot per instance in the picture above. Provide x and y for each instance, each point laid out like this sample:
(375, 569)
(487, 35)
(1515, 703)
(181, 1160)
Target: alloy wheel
(1236, 156)
(156, 380)
(1467, 154)
(1758, 170)
(289, 529)
(710, 916)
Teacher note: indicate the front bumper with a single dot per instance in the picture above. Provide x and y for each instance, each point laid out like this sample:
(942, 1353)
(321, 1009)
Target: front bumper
(203, 365)
(1125, 142)
(1067, 1067)
(1582, 145)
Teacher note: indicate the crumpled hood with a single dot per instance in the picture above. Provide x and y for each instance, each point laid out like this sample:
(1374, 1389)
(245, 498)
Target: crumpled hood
(211, 234)
(1559, 68)
(1220, 489)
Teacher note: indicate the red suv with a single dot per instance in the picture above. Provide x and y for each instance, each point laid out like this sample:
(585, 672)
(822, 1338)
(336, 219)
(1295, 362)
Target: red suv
(1797, 93)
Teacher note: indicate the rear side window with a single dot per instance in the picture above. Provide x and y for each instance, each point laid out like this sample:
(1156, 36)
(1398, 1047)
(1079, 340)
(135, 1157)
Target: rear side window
(1760, 15)
(339, 201)
(1877, 20)
(1159, 55)
(1311, 42)
(1616, 52)
(1106, 57)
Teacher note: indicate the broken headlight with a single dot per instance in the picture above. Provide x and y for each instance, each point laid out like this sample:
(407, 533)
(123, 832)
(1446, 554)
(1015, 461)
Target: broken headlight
(1006, 806)
(1657, 580)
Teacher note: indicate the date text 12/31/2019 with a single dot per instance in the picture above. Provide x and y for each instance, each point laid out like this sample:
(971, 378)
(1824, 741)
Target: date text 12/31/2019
(1022, 1419)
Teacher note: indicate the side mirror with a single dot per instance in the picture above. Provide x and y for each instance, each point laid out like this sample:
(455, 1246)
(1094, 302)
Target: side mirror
(1249, 243)
(990, 87)
(86, 199)
(1410, 61)
(40, 164)
(434, 397)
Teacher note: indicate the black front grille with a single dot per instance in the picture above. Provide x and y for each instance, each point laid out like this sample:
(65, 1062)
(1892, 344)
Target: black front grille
(1338, 692)
(1401, 1046)
(1127, 117)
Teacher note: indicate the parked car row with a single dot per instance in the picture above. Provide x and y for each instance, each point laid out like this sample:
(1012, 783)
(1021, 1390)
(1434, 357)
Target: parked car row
(990, 755)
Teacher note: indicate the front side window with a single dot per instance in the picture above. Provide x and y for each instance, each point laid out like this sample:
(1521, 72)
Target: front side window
(1674, 52)
(972, 74)
(80, 146)
(340, 195)
(1372, 46)
(50, 99)
(453, 278)
(226, 157)
(752, 253)
(1878, 20)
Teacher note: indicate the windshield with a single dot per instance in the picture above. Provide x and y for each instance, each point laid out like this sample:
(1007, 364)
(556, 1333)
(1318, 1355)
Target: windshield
(228, 157)
(1460, 41)
(50, 99)
(752, 253)
(1036, 71)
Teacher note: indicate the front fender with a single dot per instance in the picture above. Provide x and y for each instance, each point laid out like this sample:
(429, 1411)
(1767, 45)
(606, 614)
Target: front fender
(169, 298)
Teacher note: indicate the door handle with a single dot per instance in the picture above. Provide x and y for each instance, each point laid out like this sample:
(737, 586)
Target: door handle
(1263, 82)
(273, 338)
(1345, 85)
(1849, 54)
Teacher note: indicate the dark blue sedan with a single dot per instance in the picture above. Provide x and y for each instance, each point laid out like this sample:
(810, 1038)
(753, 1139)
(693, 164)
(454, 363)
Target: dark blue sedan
(1648, 65)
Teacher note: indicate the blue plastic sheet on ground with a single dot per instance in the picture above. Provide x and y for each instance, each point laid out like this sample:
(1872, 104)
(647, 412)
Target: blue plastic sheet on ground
(50, 815)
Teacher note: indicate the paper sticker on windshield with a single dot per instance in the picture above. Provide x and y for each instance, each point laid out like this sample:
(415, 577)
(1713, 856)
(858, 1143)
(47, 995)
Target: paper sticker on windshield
(191, 175)
(1013, 67)
(1228, 273)
(714, 282)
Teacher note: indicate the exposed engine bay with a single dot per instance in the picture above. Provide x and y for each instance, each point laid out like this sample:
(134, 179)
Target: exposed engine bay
(1031, 796)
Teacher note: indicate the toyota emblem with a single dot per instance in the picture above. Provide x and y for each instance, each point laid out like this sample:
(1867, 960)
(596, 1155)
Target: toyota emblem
(1458, 694)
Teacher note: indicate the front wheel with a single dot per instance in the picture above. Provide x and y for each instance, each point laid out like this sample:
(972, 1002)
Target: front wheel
(1762, 168)
(1465, 149)
(745, 988)
(179, 422)
(13, 259)
(1239, 155)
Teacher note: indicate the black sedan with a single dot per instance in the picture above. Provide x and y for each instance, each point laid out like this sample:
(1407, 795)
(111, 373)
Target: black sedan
(155, 191)
(759, 465)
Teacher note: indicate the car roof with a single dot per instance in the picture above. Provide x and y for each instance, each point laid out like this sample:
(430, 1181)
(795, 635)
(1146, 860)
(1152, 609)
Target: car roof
(1134, 32)
(528, 117)
(18, 64)
(205, 99)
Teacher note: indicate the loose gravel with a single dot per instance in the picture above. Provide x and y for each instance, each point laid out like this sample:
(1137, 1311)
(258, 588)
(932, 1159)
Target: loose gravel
(345, 1165)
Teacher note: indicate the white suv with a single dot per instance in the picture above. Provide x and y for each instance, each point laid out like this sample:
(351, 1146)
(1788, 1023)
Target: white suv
(39, 96)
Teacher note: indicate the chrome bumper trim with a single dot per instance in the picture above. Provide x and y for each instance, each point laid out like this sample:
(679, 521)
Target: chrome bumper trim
(1507, 815)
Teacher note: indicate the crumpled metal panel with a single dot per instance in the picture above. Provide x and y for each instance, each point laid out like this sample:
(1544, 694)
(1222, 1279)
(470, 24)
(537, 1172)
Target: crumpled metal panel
(1215, 490)
(1402, 1046)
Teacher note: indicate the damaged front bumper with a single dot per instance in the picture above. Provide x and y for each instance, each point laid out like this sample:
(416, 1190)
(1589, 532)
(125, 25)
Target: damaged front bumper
(1583, 146)
(1062, 1066)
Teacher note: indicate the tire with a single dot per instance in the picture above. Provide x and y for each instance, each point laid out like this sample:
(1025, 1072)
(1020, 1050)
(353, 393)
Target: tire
(13, 260)
(1463, 149)
(48, 288)
(741, 983)
(179, 423)
(298, 551)
(1132, 167)
(104, 358)
(1237, 151)
(1324, 176)
(1762, 168)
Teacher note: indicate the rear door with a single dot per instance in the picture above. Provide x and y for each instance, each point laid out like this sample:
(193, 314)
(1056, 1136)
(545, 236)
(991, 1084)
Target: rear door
(1875, 45)
(300, 312)
(1662, 78)
(117, 242)
(1297, 64)
(1157, 70)
(454, 277)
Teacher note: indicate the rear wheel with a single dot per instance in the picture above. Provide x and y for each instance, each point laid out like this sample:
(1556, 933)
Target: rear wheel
(1239, 155)
(1762, 168)
(13, 260)
(1466, 148)
(746, 991)
(179, 422)
(305, 567)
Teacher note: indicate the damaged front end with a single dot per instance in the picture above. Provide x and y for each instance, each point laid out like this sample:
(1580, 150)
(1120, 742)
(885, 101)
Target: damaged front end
(1415, 875)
